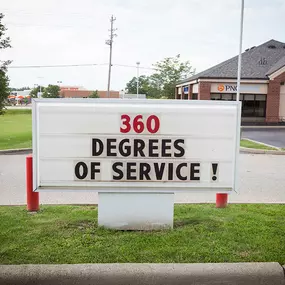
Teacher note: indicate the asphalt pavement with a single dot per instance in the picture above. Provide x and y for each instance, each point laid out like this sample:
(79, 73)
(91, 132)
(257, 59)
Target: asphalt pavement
(271, 136)
(261, 180)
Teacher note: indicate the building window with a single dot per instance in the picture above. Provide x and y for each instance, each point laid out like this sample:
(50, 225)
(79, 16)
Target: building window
(195, 96)
(216, 96)
(252, 105)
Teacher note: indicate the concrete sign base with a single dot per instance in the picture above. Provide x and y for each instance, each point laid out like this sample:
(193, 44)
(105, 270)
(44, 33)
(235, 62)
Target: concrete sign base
(136, 211)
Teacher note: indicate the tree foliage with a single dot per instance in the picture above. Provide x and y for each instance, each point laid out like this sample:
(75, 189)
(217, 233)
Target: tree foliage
(52, 91)
(4, 90)
(161, 84)
(145, 86)
(34, 92)
(4, 80)
(94, 94)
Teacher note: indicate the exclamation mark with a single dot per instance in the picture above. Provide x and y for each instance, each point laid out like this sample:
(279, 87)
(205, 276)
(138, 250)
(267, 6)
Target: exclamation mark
(214, 171)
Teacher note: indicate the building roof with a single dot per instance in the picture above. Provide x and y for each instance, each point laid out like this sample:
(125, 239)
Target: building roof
(257, 63)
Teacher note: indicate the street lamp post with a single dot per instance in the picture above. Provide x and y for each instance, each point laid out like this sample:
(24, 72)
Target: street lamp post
(40, 77)
(138, 68)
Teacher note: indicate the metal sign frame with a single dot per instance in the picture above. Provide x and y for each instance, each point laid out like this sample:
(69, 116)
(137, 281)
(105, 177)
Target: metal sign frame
(132, 186)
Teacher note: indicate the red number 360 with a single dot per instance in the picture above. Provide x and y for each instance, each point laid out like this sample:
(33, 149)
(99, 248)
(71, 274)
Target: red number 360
(151, 123)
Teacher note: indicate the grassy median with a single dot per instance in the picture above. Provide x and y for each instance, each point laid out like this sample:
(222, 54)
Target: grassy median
(202, 233)
(251, 144)
(16, 129)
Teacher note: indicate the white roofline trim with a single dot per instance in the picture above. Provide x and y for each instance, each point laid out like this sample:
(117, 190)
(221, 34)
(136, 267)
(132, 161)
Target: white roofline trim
(261, 81)
(187, 83)
(277, 72)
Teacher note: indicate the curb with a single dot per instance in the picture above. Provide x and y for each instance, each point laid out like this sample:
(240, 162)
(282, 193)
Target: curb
(261, 151)
(16, 151)
(254, 273)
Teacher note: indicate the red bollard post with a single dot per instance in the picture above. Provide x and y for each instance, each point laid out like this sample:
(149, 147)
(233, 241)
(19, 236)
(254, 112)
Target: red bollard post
(221, 200)
(32, 197)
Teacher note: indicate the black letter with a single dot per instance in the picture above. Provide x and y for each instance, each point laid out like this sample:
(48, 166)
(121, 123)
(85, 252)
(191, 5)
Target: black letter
(94, 170)
(110, 146)
(178, 147)
(95, 151)
(170, 171)
(144, 171)
(139, 145)
(118, 171)
(152, 147)
(193, 171)
(130, 170)
(127, 150)
(164, 147)
(178, 173)
(159, 171)
(77, 170)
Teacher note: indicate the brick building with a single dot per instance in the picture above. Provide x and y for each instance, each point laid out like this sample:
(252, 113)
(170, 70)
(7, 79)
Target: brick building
(80, 92)
(262, 90)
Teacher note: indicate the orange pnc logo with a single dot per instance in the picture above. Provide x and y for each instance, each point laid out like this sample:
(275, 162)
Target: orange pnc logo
(221, 87)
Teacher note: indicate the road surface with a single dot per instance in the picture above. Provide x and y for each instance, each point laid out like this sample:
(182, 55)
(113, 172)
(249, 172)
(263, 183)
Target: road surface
(261, 177)
(271, 136)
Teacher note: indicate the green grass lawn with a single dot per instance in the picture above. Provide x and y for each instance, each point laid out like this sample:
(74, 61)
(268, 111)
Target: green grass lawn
(16, 129)
(250, 144)
(202, 233)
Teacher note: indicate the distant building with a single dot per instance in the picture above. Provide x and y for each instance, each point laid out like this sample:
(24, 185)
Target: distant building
(80, 92)
(24, 93)
(262, 91)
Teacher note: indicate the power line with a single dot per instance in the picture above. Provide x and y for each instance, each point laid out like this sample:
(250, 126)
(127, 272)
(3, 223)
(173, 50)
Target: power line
(77, 65)
(134, 66)
(57, 65)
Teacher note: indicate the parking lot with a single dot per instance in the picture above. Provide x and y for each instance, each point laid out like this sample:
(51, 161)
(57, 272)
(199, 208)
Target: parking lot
(271, 136)
(260, 180)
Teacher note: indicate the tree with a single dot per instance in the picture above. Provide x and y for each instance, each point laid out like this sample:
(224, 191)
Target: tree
(4, 90)
(161, 84)
(94, 94)
(169, 71)
(143, 85)
(146, 86)
(35, 91)
(52, 91)
(4, 80)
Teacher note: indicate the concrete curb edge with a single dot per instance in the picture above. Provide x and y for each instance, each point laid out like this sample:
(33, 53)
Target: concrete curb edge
(17, 150)
(261, 151)
(255, 273)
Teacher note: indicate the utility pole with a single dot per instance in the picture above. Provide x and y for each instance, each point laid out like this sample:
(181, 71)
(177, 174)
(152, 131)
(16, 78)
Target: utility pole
(138, 68)
(240, 49)
(110, 43)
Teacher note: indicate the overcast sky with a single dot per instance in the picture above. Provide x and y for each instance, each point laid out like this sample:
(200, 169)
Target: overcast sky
(205, 32)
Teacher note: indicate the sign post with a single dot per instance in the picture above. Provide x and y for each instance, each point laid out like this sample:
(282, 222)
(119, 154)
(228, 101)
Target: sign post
(136, 154)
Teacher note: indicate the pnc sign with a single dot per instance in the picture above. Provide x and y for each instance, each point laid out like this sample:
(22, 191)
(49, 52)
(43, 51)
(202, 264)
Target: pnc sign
(227, 88)
(221, 87)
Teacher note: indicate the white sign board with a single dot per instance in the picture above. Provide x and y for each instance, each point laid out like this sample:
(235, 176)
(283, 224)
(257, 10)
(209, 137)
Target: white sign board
(137, 146)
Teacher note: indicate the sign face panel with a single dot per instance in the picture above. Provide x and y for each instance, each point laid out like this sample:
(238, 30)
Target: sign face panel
(136, 146)
(244, 88)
